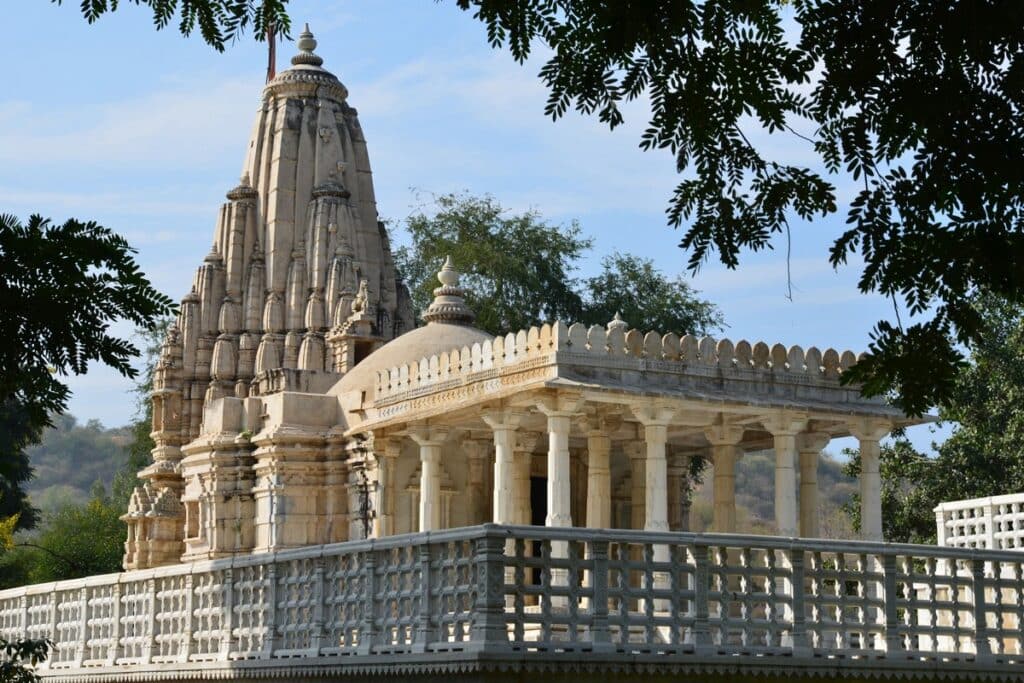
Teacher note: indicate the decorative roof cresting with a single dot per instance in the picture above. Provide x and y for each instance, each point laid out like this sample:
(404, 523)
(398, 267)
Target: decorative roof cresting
(449, 305)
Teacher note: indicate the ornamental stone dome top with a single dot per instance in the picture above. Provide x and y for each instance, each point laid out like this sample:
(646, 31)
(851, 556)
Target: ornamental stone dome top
(449, 326)
(307, 75)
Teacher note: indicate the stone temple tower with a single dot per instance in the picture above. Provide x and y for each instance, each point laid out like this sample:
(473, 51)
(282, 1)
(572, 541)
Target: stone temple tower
(298, 286)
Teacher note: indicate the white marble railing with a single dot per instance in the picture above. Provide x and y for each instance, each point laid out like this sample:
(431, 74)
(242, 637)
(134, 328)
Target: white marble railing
(557, 592)
(597, 341)
(996, 522)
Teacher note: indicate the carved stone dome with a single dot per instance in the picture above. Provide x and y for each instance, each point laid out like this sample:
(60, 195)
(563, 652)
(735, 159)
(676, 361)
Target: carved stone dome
(448, 327)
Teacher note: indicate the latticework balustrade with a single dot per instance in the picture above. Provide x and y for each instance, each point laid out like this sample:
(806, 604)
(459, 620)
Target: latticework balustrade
(553, 594)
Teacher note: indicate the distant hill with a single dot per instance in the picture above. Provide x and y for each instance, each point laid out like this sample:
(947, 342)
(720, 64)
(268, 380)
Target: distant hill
(72, 457)
(755, 496)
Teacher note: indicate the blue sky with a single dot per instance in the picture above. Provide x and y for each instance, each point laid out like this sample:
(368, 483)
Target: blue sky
(145, 131)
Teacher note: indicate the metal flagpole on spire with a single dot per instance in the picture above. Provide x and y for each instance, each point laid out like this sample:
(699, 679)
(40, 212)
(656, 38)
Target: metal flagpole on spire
(271, 53)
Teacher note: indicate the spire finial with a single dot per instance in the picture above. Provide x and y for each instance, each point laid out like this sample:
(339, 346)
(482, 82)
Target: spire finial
(617, 323)
(449, 306)
(306, 44)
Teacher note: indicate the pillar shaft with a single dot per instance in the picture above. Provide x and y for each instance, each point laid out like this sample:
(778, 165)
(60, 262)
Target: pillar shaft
(656, 478)
(430, 442)
(559, 486)
(725, 451)
(724, 514)
(869, 433)
(784, 428)
(504, 476)
(785, 484)
(637, 479)
(430, 486)
(809, 524)
(599, 481)
(870, 490)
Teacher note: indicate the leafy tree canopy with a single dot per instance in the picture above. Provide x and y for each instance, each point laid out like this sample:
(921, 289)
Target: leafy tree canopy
(518, 270)
(919, 104)
(984, 456)
(62, 288)
(633, 287)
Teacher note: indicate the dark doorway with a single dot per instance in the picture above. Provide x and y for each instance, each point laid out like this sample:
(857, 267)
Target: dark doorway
(538, 500)
(538, 517)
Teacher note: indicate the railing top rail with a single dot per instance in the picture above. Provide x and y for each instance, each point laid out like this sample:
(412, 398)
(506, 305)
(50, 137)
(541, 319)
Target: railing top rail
(969, 503)
(754, 541)
(531, 532)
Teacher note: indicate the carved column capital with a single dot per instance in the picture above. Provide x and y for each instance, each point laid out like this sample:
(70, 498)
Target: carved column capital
(561, 404)
(502, 419)
(654, 413)
(869, 428)
(428, 436)
(724, 435)
(784, 423)
(812, 442)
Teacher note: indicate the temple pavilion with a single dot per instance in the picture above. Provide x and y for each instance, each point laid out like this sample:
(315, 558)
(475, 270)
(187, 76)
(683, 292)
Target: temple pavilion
(295, 403)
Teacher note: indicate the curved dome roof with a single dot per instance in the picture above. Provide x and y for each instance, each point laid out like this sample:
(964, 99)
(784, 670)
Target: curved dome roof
(448, 327)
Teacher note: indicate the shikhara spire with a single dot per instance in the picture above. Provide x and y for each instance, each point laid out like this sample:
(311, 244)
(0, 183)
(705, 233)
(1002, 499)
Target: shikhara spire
(296, 244)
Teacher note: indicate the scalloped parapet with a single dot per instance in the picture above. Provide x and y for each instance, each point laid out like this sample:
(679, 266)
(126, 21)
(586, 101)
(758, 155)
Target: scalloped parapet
(614, 342)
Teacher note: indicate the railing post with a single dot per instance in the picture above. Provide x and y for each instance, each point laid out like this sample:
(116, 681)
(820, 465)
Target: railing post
(424, 620)
(186, 648)
(801, 643)
(981, 644)
(114, 651)
(51, 617)
(490, 632)
(701, 625)
(83, 626)
(600, 635)
(227, 640)
(368, 631)
(317, 627)
(23, 616)
(148, 645)
(270, 634)
(892, 634)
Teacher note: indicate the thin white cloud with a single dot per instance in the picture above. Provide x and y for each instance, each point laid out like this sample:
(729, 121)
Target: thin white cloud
(183, 125)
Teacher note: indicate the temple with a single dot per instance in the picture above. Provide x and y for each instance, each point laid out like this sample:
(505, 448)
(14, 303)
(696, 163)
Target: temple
(336, 492)
(294, 404)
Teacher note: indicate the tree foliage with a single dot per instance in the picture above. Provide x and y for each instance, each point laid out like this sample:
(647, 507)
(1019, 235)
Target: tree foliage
(984, 456)
(17, 659)
(921, 104)
(634, 288)
(519, 270)
(62, 287)
(219, 21)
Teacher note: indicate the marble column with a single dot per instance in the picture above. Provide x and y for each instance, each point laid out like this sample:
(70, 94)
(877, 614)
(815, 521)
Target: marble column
(678, 465)
(599, 477)
(430, 441)
(525, 444)
(635, 452)
(725, 450)
(810, 445)
(504, 425)
(784, 429)
(387, 457)
(869, 432)
(477, 459)
(560, 413)
(655, 419)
